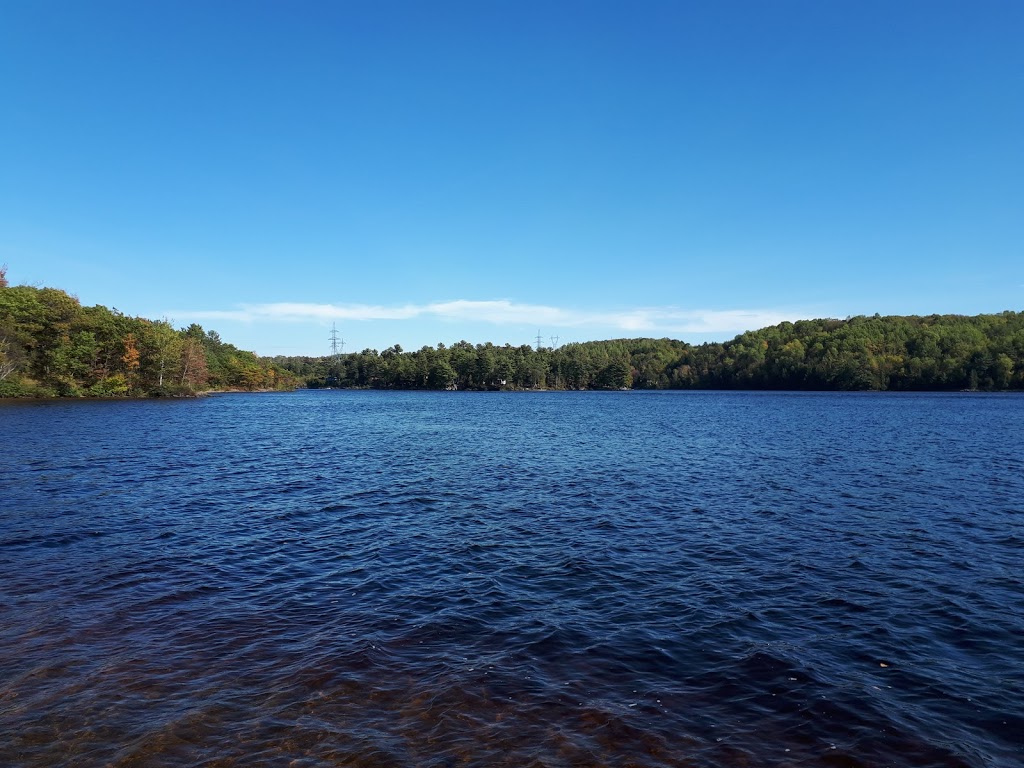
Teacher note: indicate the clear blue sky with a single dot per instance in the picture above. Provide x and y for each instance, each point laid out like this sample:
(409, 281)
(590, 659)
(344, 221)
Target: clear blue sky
(423, 172)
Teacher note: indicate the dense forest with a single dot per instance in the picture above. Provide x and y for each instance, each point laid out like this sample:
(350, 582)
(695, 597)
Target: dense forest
(937, 352)
(50, 345)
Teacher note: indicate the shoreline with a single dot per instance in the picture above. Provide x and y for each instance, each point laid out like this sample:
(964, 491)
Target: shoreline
(215, 392)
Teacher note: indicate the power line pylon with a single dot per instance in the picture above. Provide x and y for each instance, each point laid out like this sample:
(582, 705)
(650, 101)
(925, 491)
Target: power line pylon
(336, 341)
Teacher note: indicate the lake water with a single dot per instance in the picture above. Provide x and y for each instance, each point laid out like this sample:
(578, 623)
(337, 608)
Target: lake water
(537, 579)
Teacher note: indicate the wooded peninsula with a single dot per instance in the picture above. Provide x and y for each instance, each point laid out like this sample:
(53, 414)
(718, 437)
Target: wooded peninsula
(52, 346)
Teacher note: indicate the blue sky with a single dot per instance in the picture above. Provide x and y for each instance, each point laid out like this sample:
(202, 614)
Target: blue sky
(424, 172)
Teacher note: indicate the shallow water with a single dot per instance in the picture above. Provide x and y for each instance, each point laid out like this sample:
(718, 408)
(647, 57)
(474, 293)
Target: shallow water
(550, 579)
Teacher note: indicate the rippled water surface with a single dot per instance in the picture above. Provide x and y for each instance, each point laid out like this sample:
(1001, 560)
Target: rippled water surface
(550, 579)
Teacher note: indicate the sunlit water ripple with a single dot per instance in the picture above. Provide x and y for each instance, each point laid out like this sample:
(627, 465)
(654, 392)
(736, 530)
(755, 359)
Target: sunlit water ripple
(549, 579)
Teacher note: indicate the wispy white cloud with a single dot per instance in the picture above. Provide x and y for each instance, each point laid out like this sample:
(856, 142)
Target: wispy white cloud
(503, 312)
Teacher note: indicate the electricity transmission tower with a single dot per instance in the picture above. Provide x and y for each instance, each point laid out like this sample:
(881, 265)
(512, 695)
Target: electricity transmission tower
(337, 343)
(554, 342)
(538, 340)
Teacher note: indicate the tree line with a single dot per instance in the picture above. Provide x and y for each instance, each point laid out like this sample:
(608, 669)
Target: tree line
(934, 352)
(618, 364)
(50, 345)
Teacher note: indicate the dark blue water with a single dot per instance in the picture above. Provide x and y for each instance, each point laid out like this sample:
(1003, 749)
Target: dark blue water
(562, 579)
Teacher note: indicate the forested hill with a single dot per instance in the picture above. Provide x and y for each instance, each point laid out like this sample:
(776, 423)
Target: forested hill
(50, 345)
(937, 352)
